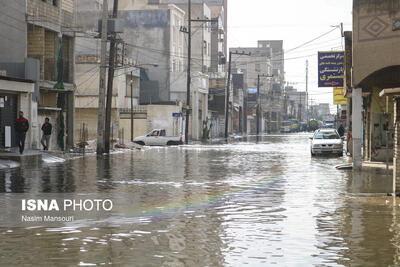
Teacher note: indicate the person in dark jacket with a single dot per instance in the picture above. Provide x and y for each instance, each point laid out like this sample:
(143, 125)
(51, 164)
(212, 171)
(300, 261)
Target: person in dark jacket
(46, 128)
(21, 127)
(341, 130)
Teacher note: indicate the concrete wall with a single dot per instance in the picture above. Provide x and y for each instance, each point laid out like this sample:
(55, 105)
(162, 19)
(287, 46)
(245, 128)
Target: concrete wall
(86, 95)
(89, 117)
(149, 31)
(160, 116)
(13, 37)
(139, 128)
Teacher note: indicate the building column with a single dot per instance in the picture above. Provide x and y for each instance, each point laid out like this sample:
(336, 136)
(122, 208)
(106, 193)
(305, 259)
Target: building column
(357, 127)
(70, 120)
(205, 106)
(195, 115)
(396, 156)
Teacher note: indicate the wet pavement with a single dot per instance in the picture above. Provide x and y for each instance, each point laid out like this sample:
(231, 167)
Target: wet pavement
(247, 203)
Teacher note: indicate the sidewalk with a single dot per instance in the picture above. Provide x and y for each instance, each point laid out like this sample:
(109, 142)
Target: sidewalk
(12, 158)
(378, 167)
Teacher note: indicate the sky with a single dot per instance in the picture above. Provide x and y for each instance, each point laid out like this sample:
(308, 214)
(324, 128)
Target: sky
(295, 22)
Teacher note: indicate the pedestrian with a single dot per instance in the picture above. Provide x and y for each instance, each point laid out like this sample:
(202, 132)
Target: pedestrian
(21, 127)
(341, 130)
(46, 128)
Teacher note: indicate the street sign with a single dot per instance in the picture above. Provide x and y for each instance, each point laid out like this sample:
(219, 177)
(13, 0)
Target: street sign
(338, 96)
(330, 69)
(176, 115)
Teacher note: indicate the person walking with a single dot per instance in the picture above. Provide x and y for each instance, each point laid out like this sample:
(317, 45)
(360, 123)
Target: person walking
(46, 128)
(21, 127)
(341, 130)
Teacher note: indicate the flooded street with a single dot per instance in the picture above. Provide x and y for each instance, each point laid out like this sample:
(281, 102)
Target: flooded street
(246, 203)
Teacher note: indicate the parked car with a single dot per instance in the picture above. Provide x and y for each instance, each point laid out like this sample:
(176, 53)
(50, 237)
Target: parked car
(294, 126)
(158, 137)
(285, 127)
(326, 141)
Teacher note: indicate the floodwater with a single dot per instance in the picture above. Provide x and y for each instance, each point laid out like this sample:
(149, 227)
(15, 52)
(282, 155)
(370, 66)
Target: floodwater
(246, 203)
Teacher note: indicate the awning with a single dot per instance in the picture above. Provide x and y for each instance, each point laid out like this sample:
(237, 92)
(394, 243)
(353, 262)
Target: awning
(390, 92)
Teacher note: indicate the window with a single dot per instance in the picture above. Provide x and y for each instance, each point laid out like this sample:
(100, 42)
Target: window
(326, 135)
(55, 2)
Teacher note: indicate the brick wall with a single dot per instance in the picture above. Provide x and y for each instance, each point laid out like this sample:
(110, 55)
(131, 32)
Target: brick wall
(36, 45)
(45, 11)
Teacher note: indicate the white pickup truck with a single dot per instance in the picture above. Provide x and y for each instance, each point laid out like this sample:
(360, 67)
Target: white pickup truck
(158, 137)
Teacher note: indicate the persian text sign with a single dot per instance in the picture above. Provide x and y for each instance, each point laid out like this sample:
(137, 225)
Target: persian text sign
(338, 96)
(330, 69)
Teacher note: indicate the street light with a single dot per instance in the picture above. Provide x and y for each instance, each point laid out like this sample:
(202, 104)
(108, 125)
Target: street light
(140, 67)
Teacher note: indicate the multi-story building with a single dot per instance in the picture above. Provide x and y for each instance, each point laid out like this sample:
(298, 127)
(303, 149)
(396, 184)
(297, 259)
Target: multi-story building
(372, 65)
(258, 63)
(155, 32)
(294, 104)
(275, 96)
(126, 83)
(34, 31)
(212, 59)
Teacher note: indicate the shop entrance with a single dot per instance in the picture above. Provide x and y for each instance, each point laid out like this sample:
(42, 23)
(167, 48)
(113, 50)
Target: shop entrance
(8, 115)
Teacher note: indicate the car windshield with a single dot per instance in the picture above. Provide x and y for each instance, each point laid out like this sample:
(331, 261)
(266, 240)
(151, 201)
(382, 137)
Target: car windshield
(326, 135)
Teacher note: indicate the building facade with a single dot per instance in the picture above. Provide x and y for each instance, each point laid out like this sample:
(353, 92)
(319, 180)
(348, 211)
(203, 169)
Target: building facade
(35, 31)
(372, 65)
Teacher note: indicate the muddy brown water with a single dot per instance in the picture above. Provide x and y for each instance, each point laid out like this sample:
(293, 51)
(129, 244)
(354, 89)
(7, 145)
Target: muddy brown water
(246, 203)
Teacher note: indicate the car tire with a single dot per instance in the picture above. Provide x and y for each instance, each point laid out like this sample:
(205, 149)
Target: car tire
(140, 143)
(170, 143)
(312, 154)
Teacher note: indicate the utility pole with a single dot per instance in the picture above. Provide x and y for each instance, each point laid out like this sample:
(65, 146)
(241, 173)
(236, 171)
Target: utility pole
(307, 91)
(103, 68)
(259, 108)
(258, 105)
(111, 63)
(299, 115)
(188, 71)
(131, 106)
(228, 90)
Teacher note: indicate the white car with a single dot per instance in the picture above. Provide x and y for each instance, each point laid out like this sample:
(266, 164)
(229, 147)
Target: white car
(326, 141)
(158, 137)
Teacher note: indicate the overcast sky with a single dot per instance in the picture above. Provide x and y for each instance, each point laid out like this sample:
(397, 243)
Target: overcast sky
(295, 22)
